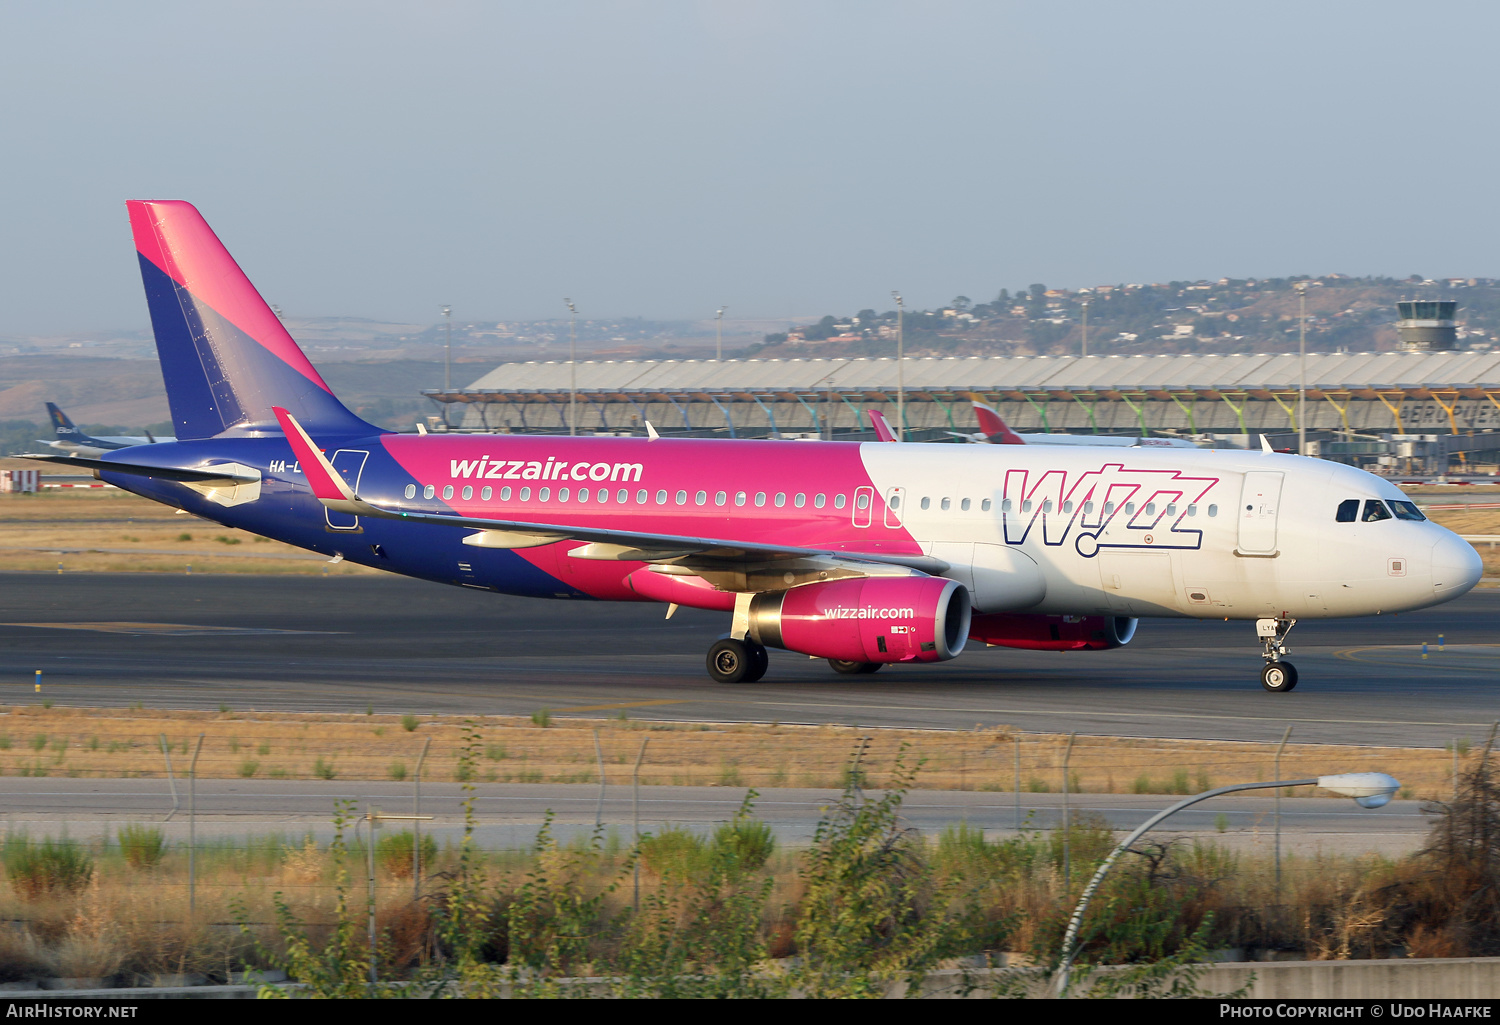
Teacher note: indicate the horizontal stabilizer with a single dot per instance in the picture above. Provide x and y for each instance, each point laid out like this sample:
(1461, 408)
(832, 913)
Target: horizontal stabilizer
(237, 473)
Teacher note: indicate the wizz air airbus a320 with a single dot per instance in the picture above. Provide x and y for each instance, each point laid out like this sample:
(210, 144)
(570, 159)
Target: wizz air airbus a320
(863, 554)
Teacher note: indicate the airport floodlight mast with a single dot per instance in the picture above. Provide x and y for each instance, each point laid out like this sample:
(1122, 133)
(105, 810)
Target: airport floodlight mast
(719, 334)
(572, 366)
(1085, 328)
(900, 366)
(1301, 368)
(447, 357)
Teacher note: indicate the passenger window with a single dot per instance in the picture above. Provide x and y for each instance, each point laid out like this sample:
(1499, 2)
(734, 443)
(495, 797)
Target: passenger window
(739, 498)
(862, 502)
(819, 501)
(525, 494)
(700, 498)
(964, 505)
(411, 491)
(1172, 509)
(947, 504)
(640, 497)
(720, 497)
(985, 505)
(1088, 507)
(1005, 505)
(562, 494)
(1129, 508)
(622, 496)
(583, 494)
(894, 501)
(468, 492)
(544, 494)
(486, 493)
(780, 499)
(1047, 505)
(800, 500)
(1026, 507)
(1406, 511)
(661, 498)
(838, 501)
(1109, 508)
(682, 498)
(926, 502)
(1348, 511)
(1374, 511)
(505, 493)
(1150, 508)
(447, 492)
(1067, 507)
(760, 499)
(1192, 510)
(1213, 510)
(427, 491)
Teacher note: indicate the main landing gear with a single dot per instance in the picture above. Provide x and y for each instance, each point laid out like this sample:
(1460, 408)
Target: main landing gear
(854, 668)
(733, 661)
(1278, 676)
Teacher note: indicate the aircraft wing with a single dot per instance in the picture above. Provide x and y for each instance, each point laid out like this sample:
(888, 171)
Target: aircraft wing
(602, 543)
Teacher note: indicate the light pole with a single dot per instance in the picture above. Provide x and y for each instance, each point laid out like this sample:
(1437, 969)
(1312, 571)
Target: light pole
(447, 359)
(572, 366)
(900, 367)
(719, 334)
(1369, 790)
(1301, 368)
(1085, 328)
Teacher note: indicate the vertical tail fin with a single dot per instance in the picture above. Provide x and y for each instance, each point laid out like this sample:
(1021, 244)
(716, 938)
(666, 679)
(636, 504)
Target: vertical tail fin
(64, 428)
(991, 426)
(225, 357)
(882, 429)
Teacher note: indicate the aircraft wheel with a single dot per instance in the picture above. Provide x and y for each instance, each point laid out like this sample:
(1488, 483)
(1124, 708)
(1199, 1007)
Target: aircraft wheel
(732, 661)
(1279, 677)
(853, 668)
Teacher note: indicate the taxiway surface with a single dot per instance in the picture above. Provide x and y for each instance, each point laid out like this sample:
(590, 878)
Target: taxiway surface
(398, 645)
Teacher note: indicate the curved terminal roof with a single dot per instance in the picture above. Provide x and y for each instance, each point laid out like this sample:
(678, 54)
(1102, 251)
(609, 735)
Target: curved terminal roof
(1415, 374)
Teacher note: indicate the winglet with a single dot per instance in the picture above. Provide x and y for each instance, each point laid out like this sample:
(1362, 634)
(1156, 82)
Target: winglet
(651, 434)
(327, 486)
(1265, 445)
(882, 429)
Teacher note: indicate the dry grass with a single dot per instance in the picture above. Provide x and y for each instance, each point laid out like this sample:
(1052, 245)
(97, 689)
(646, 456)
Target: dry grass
(113, 742)
(107, 531)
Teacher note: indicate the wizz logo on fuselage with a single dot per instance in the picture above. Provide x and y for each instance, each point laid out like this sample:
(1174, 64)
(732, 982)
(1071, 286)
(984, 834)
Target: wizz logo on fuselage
(1111, 507)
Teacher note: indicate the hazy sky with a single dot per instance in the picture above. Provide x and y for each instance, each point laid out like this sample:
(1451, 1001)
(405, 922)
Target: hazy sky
(660, 158)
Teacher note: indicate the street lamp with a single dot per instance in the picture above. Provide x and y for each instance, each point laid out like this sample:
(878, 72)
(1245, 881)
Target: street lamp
(572, 366)
(719, 334)
(1085, 328)
(447, 359)
(1369, 790)
(1301, 368)
(900, 367)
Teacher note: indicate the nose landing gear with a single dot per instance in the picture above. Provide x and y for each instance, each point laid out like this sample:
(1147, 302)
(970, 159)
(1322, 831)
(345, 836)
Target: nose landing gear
(1278, 676)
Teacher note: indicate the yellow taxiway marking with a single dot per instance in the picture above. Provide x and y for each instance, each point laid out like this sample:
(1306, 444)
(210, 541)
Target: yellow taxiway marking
(1411, 656)
(622, 704)
(166, 629)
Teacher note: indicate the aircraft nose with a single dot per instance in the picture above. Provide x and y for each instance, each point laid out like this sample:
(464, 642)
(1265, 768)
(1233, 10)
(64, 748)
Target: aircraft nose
(1456, 567)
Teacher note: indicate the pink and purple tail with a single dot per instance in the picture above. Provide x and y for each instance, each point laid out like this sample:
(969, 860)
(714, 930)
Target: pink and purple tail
(226, 359)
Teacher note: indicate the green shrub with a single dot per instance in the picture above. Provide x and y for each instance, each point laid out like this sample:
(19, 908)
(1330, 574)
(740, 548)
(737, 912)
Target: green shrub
(394, 853)
(542, 717)
(748, 842)
(1180, 782)
(39, 742)
(249, 767)
(142, 846)
(409, 723)
(35, 869)
(675, 853)
(324, 769)
(397, 771)
(495, 752)
(1142, 784)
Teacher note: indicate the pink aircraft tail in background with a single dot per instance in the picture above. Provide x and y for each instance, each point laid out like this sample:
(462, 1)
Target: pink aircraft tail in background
(882, 429)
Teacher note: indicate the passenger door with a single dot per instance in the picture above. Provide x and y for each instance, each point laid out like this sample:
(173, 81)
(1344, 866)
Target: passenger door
(350, 463)
(1260, 499)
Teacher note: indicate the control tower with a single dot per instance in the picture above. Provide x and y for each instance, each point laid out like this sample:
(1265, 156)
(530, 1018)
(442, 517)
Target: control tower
(1427, 324)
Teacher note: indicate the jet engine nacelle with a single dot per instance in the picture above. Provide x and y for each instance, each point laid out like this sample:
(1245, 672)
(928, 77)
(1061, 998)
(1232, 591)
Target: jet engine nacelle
(1053, 633)
(866, 619)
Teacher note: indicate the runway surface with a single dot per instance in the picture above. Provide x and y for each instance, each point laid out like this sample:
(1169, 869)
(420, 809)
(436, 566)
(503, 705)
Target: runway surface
(397, 645)
(510, 814)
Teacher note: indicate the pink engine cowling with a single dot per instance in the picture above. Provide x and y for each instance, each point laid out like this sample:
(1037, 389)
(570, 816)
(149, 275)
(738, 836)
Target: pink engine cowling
(1053, 633)
(866, 619)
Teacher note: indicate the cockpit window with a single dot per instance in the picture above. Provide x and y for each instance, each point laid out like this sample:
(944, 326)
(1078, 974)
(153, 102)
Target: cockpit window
(1374, 510)
(1406, 511)
(1348, 511)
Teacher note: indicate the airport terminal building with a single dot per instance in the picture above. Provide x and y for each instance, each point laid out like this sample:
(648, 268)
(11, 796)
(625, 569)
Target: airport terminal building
(1377, 395)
